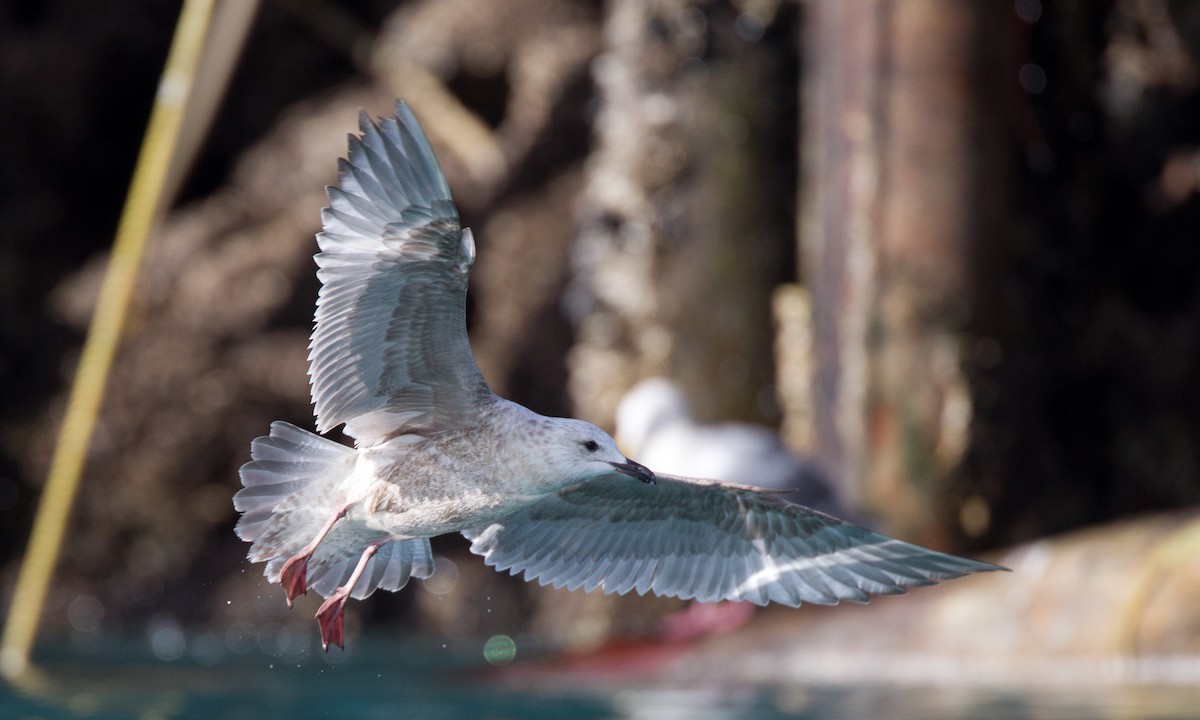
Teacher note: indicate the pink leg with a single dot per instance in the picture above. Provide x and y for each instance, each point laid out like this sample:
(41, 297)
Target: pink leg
(330, 614)
(294, 575)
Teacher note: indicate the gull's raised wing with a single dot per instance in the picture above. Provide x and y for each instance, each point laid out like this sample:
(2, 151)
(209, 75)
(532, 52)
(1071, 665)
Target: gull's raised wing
(390, 347)
(709, 541)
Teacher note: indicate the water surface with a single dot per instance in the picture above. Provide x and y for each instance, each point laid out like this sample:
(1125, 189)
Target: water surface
(434, 682)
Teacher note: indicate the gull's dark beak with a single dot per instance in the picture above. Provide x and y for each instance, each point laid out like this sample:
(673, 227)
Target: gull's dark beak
(635, 470)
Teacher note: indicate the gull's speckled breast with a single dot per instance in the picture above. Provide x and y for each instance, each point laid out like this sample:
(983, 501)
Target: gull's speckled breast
(440, 482)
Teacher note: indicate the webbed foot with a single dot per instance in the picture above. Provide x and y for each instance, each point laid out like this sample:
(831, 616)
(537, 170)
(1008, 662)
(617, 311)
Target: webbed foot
(330, 617)
(294, 577)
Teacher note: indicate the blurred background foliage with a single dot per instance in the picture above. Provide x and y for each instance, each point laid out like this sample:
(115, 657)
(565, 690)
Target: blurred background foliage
(950, 249)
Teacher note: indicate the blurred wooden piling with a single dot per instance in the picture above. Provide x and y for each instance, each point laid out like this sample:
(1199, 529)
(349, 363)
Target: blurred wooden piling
(895, 233)
(685, 224)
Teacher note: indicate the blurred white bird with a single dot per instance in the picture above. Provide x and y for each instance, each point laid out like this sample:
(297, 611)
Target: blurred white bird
(436, 452)
(655, 425)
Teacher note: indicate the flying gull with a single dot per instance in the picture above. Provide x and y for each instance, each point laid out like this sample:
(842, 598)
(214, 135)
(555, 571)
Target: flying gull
(437, 452)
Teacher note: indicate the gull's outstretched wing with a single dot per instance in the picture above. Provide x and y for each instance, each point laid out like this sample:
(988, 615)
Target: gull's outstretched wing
(390, 347)
(700, 539)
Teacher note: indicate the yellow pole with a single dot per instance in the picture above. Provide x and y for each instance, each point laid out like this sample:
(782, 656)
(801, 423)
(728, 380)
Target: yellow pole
(141, 211)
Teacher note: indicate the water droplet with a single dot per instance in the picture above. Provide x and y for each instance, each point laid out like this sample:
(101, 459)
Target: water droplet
(166, 637)
(1029, 10)
(499, 650)
(85, 613)
(1032, 78)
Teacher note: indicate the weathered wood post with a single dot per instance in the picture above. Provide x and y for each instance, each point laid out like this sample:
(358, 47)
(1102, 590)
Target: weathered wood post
(896, 229)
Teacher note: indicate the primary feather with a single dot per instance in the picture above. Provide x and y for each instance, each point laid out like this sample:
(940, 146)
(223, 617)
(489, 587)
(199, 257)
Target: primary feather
(710, 541)
(390, 347)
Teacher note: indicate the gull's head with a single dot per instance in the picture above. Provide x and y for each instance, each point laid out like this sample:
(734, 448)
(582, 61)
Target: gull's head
(577, 451)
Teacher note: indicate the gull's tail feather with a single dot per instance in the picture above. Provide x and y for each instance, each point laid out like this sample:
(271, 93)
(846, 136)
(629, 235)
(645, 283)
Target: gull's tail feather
(290, 491)
(287, 491)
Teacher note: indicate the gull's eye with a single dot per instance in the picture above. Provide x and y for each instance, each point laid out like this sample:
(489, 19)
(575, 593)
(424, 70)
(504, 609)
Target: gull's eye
(591, 445)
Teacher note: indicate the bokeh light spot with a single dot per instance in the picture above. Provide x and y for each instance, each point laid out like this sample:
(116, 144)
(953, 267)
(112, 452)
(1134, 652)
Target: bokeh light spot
(499, 650)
